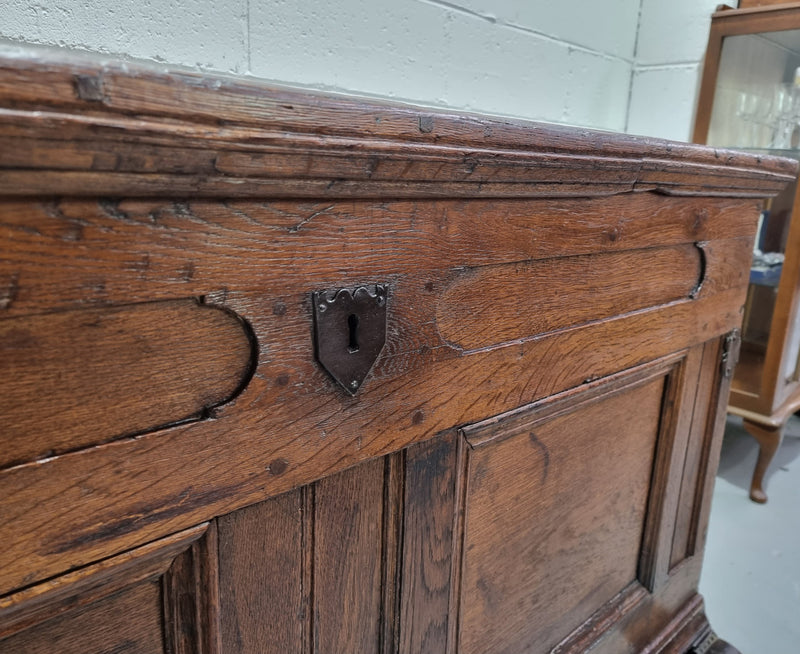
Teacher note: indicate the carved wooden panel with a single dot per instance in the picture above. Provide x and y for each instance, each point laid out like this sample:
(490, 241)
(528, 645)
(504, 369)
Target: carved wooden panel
(528, 463)
(130, 621)
(429, 518)
(158, 599)
(532, 535)
(261, 439)
(307, 571)
(473, 541)
(534, 523)
(319, 569)
(500, 303)
(264, 582)
(76, 378)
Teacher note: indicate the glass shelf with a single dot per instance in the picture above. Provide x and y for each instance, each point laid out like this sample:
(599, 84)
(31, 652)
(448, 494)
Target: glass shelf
(757, 97)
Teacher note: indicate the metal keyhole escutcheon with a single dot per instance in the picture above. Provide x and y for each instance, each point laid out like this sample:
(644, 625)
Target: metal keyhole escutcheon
(350, 332)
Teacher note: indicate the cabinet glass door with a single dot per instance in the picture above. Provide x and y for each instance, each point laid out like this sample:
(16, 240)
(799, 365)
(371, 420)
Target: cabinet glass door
(757, 108)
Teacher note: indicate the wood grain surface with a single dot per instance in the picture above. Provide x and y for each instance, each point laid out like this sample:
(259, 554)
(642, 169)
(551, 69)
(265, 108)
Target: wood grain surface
(129, 620)
(77, 378)
(131, 129)
(347, 560)
(307, 571)
(190, 598)
(116, 605)
(429, 513)
(161, 235)
(28, 608)
(263, 597)
(496, 304)
(104, 252)
(523, 505)
(694, 482)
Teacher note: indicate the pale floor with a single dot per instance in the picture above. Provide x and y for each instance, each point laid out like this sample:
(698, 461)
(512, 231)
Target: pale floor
(751, 573)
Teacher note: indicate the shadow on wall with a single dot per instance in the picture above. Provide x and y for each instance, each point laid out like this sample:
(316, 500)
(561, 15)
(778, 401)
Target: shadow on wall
(739, 452)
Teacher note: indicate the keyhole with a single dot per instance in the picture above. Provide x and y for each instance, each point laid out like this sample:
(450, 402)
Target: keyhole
(352, 326)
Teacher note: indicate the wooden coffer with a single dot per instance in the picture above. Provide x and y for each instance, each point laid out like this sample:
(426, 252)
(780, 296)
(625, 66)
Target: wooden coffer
(512, 451)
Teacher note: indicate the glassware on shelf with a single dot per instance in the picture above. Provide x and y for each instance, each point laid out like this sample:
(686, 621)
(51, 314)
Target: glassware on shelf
(784, 107)
(765, 116)
(746, 110)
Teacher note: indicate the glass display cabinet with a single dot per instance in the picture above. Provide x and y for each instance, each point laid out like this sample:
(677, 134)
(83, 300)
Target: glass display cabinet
(750, 100)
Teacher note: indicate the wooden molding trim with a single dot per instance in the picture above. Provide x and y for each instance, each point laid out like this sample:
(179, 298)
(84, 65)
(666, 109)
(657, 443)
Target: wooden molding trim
(527, 416)
(27, 608)
(86, 128)
(755, 6)
(591, 632)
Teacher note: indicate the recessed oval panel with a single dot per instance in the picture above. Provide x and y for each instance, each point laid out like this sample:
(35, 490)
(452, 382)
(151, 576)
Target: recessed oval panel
(78, 378)
(491, 305)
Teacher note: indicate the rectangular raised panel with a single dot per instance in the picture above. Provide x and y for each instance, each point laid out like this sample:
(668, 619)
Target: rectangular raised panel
(674, 426)
(555, 510)
(701, 457)
(430, 486)
(264, 587)
(161, 594)
(130, 621)
(348, 512)
(76, 378)
(487, 305)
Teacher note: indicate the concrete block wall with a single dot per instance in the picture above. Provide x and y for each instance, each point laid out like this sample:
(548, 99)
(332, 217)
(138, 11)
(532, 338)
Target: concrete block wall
(577, 62)
(670, 47)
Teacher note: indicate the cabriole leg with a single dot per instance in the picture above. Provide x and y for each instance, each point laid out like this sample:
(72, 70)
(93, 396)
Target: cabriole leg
(769, 438)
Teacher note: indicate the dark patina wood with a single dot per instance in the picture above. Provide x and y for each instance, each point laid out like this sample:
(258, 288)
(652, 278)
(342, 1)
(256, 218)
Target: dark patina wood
(527, 466)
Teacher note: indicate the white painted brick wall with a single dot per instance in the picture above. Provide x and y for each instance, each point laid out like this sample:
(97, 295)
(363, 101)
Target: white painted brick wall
(566, 62)
(432, 53)
(670, 47)
(200, 33)
(663, 101)
(572, 61)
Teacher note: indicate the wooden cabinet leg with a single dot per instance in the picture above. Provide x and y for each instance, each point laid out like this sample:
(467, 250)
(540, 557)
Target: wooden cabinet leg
(769, 438)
